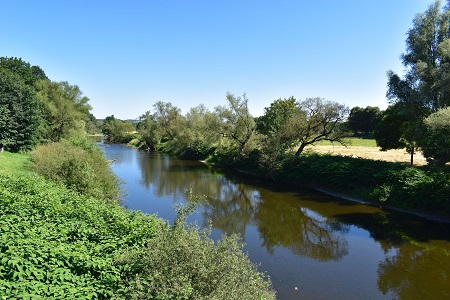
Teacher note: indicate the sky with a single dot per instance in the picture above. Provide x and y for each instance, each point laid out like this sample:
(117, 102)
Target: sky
(127, 55)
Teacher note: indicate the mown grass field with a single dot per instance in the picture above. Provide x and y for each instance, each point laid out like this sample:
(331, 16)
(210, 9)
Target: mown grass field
(13, 163)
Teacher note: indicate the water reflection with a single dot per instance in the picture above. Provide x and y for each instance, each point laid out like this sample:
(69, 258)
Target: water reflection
(328, 247)
(416, 272)
(232, 206)
(284, 222)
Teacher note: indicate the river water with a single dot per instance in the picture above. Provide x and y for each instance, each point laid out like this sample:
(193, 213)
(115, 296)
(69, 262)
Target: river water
(313, 246)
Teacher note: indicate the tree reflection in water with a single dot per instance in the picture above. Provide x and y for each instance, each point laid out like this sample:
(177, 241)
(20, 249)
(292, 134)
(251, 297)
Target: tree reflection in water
(415, 271)
(283, 221)
(233, 205)
(413, 260)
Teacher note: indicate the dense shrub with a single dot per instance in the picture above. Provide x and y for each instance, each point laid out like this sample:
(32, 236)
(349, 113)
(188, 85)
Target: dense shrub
(182, 262)
(78, 164)
(416, 188)
(338, 172)
(56, 244)
(395, 184)
(436, 143)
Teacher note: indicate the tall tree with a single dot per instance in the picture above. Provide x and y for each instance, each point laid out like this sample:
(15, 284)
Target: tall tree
(29, 74)
(399, 128)
(117, 131)
(235, 121)
(20, 116)
(276, 115)
(196, 138)
(425, 87)
(168, 118)
(427, 56)
(275, 138)
(66, 110)
(363, 121)
(319, 120)
(149, 132)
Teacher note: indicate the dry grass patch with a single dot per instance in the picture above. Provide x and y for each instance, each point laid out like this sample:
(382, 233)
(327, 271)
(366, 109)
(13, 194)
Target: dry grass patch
(374, 153)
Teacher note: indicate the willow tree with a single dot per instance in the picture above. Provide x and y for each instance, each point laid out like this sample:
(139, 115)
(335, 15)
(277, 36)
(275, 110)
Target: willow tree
(168, 118)
(235, 121)
(66, 109)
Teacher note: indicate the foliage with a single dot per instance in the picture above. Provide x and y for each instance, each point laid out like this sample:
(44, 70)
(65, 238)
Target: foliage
(55, 244)
(276, 115)
(399, 128)
(79, 165)
(169, 118)
(276, 138)
(93, 126)
(363, 121)
(235, 122)
(30, 75)
(425, 87)
(319, 121)
(182, 262)
(19, 113)
(117, 131)
(427, 56)
(392, 183)
(149, 133)
(66, 110)
(416, 188)
(436, 144)
(196, 138)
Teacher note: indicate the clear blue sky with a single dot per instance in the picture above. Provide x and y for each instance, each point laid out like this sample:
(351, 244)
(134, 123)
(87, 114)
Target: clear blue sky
(126, 55)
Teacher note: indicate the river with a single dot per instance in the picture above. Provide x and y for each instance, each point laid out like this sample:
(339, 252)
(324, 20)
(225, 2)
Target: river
(313, 246)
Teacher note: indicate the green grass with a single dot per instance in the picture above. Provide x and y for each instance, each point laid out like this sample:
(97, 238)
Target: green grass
(358, 142)
(14, 163)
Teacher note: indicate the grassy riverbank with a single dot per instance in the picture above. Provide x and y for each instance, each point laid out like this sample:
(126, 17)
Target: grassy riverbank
(56, 243)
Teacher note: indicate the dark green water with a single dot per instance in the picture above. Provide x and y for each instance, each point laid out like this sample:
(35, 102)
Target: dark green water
(313, 246)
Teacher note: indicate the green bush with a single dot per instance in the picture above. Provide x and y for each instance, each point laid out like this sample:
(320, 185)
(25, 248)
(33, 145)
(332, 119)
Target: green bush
(417, 188)
(394, 184)
(80, 165)
(57, 244)
(182, 262)
(436, 143)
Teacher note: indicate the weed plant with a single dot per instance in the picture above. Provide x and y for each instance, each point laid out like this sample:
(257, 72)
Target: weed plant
(57, 244)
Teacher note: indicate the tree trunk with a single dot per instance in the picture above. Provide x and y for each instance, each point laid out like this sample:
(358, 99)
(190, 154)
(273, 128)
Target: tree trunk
(412, 156)
(300, 149)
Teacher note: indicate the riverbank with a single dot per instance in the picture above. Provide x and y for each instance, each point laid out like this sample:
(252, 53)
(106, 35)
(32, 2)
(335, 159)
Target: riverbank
(417, 190)
(427, 216)
(60, 243)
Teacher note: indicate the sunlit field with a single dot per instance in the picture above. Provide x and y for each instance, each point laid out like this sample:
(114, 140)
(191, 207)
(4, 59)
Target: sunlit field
(367, 148)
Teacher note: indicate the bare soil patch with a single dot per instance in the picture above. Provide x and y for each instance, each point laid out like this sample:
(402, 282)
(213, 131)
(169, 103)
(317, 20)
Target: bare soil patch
(371, 153)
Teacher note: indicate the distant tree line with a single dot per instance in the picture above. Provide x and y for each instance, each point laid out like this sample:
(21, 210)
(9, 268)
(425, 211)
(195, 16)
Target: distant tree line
(34, 109)
(288, 125)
